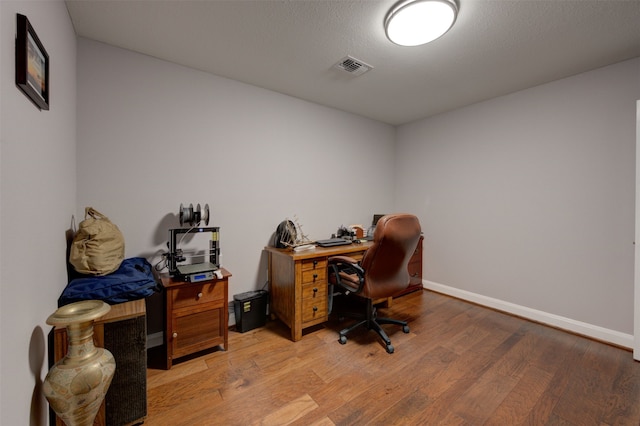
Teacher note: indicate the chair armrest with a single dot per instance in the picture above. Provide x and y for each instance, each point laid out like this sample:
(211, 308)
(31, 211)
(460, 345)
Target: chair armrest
(342, 259)
(347, 273)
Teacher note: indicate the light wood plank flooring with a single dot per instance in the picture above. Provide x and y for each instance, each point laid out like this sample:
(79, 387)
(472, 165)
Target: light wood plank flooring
(461, 364)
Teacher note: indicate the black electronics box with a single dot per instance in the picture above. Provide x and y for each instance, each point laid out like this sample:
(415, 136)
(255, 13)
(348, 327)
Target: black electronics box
(250, 309)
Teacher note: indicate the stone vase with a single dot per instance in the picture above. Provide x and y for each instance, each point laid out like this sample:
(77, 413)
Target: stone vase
(77, 384)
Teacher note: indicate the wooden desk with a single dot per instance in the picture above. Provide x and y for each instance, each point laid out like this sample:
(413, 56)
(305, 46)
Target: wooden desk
(197, 315)
(299, 287)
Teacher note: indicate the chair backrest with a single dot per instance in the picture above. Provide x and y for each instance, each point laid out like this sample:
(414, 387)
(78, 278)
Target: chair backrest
(385, 262)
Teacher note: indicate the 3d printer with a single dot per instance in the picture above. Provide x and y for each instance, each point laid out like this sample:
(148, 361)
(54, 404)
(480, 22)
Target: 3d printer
(193, 272)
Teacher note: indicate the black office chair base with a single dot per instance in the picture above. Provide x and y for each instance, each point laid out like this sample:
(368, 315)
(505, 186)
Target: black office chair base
(373, 323)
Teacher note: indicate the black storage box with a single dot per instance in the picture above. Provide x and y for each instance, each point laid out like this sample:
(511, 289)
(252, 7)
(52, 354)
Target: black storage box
(250, 309)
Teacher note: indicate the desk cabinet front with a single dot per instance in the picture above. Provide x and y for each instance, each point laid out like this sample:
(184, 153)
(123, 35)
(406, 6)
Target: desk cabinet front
(415, 270)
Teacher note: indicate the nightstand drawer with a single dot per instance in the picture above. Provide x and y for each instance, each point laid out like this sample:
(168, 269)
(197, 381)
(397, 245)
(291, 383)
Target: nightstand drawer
(196, 294)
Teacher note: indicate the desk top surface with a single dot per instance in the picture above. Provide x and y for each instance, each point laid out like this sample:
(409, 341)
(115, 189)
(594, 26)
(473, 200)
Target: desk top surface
(321, 251)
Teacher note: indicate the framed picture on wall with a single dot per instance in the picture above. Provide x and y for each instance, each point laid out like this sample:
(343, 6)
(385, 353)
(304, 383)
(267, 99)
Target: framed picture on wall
(32, 64)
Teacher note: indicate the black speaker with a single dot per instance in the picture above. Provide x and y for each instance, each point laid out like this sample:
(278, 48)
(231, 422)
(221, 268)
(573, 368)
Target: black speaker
(250, 310)
(126, 400)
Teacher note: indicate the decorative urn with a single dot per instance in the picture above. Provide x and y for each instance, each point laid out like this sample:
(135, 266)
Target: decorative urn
(77, 384)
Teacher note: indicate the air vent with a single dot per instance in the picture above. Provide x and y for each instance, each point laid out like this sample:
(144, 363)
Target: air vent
(353, 66)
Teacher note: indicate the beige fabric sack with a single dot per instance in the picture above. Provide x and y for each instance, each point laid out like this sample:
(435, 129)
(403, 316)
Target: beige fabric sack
(98, 246)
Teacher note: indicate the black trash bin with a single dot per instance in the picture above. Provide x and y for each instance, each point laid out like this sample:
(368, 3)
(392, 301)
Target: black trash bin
(250, 309)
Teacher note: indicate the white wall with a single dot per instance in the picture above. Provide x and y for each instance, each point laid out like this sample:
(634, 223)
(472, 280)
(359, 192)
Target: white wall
(37, 199)
(528, 199)
(636, 327)
(153, 135)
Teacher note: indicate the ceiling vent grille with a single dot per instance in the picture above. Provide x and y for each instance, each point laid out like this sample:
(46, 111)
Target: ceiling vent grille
(353, 66)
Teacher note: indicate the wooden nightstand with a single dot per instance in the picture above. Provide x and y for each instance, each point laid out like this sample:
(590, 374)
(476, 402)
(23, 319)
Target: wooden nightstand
(196, 315)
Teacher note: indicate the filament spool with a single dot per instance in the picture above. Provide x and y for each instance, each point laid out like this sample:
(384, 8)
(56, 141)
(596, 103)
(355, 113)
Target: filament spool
(193, 217)
(206, 216)
(186, 214)
(196, 216)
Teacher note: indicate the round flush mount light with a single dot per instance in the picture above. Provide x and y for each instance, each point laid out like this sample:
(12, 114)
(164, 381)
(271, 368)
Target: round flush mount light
(416, 22)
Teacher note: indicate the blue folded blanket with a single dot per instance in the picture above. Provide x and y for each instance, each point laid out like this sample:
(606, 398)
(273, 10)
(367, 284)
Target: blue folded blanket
(133, 280)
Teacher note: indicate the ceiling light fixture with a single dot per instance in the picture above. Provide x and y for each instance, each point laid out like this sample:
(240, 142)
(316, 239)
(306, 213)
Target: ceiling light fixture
(416, 22)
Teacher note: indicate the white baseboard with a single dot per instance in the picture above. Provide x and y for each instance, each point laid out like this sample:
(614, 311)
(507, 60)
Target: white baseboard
(568, 324)
(232, 314)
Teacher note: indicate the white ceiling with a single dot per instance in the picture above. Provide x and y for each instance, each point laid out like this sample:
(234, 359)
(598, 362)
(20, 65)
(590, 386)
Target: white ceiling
(290, 46)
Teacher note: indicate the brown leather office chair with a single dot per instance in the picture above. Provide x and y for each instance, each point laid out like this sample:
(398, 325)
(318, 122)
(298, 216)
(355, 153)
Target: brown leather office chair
(382, 272)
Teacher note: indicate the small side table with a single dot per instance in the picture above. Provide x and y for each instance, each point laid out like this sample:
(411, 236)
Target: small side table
(122, 331)
(196, 315)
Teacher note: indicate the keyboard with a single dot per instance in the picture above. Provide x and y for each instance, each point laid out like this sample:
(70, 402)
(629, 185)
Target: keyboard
(333, 242)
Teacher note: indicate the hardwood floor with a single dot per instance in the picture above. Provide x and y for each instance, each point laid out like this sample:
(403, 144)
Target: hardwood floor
(461, 364)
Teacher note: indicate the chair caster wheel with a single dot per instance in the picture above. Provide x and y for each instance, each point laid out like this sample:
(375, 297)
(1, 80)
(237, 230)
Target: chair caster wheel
(389, 349)
(342, 340)
(405, 328)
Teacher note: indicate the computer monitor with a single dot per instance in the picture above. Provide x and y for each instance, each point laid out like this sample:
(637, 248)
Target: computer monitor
(372, 228)
(376, 218)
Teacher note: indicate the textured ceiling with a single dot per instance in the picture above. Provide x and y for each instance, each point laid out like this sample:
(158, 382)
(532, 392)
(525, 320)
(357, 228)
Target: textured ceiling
(290, 46)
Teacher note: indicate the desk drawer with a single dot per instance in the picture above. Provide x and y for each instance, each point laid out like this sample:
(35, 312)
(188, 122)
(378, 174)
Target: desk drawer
(317, 275)
(196, 294)
(314, 301)
(415, 269)
(357, 256)
(314, 290)
(318, 263)
(314, 309)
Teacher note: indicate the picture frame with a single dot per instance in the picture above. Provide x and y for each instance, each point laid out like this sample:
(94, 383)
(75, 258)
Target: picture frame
(32, 64)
